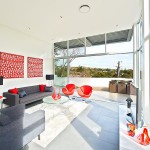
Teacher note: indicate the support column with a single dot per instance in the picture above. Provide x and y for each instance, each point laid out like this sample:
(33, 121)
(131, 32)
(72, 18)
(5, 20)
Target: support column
(134, 55)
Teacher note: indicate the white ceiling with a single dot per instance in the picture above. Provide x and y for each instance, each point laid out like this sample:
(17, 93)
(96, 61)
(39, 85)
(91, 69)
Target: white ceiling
(59, 20)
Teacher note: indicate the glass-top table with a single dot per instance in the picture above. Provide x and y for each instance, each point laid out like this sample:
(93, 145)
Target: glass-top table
(50, 100)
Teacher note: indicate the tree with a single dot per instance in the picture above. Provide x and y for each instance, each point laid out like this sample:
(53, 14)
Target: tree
(63, 67)
(118, 68)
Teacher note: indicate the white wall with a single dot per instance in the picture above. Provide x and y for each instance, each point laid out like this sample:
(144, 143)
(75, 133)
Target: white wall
(95, 82)
(146, 86)
(15, 42)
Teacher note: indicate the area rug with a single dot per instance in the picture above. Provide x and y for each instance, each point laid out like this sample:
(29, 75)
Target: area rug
(57, 118)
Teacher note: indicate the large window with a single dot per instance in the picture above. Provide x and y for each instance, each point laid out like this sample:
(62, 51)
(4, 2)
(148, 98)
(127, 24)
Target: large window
(108, 66)
(101, 56)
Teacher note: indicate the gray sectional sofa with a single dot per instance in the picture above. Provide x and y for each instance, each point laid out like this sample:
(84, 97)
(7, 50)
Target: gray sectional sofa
(33, 94)
(18, 128)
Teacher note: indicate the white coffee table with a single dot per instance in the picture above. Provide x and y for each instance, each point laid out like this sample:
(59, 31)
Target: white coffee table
(50, 100)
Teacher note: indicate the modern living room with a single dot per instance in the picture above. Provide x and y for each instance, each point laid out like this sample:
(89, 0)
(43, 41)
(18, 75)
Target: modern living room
(35, 112)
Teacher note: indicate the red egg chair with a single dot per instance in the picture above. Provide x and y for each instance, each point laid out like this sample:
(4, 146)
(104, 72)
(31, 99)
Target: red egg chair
(85, 91)
(69, 89)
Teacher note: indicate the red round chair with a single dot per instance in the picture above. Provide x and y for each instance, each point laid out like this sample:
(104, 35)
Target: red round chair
(85, 91)
(69, 89)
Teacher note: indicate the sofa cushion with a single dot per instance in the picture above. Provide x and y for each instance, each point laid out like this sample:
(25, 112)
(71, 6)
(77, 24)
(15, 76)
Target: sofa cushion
(34, 97)
(22, 93)
(13, 91)
(30, 89)
(4, 119)
(48, 89)
(42, 87)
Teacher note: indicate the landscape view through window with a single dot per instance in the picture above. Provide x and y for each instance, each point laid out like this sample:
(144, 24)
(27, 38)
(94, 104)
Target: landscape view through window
(117, 62)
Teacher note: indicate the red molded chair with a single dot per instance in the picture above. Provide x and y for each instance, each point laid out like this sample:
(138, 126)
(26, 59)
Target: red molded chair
(85, 91)
(69, 89)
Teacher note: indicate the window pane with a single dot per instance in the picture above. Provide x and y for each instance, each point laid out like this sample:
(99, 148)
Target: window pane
(103, 66)
(76, 47)
(95, 49)
(61, 67)
(120, 47)
(60, 49)
(120, 41)
(95, 44)
(60, 72)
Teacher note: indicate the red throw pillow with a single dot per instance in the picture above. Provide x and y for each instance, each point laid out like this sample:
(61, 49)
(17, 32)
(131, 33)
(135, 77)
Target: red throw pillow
(42, 87)
(14, 91)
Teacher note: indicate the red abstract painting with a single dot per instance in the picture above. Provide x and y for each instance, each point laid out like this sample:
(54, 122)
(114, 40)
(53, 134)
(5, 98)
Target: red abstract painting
(11, 65)
(35, 67)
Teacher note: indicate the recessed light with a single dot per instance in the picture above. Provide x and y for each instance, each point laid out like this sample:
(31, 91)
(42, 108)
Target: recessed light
(84, 8)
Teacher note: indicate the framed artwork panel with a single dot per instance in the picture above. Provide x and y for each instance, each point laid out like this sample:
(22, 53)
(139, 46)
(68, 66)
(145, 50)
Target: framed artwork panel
(34, 67)
(11, 65)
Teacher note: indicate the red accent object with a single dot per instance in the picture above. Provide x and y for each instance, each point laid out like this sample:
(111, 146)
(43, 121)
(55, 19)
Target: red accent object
(131, 133)
(85, 91)
(11, 65)
(1, 97)
(69, 89)
(56, 96)
(14, 91)
(140, 139)
(147, 138)
(131, 128)
(42, 87)
(35, 67)
(143, 138)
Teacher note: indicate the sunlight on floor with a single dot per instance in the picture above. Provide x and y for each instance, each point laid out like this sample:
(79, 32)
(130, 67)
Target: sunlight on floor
(96, 129)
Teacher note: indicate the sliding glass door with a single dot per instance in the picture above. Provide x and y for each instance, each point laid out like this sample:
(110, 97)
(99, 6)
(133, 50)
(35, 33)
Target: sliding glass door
(61, 66)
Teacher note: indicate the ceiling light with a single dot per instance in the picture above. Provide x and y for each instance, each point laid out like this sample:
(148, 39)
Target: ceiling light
(84, 9)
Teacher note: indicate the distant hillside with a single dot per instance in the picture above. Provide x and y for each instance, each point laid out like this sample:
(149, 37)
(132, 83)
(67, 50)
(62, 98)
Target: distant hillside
(93, 72)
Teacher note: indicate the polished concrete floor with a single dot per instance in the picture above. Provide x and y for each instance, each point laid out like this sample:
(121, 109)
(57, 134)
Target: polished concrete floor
(96, 128)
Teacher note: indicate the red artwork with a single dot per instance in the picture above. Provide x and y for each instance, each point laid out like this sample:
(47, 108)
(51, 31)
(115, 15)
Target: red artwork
(35, 67)
(11, 65)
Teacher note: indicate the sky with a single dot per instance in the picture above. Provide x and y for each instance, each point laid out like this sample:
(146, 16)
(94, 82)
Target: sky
(107, 61)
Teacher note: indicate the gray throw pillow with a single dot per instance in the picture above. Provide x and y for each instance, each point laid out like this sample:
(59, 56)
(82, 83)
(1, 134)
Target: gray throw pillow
(48, 89)
(22, 93)
(4, 119)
